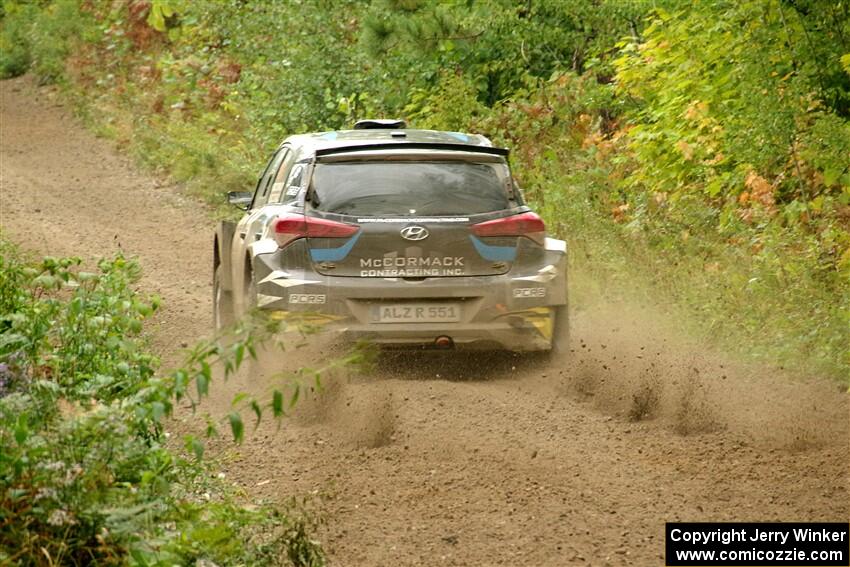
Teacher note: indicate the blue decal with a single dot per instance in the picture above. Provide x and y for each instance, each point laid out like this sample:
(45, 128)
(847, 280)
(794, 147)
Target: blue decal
(329, 136)
(494, 253)
(460, 136)
(334, 254)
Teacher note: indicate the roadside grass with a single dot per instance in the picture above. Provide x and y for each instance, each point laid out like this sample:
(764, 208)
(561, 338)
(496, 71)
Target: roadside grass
(206, 164)
(774, 306)
(720, 295)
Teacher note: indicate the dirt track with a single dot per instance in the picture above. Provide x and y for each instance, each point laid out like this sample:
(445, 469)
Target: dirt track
(457, 460)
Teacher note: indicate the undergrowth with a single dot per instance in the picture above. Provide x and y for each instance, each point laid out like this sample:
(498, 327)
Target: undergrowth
(86, 476)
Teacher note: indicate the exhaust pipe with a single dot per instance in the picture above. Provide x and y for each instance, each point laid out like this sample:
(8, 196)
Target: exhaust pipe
(444, 342)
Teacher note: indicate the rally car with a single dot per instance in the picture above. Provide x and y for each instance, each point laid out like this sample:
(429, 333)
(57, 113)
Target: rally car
(402, 237)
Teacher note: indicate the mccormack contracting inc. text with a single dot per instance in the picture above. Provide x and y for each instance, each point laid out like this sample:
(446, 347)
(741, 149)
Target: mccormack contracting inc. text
(763, 544)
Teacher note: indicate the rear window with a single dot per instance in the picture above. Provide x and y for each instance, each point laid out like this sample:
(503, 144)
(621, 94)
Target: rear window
(411, 188)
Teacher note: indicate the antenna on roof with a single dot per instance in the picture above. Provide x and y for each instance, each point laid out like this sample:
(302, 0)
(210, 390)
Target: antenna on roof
(379, 124)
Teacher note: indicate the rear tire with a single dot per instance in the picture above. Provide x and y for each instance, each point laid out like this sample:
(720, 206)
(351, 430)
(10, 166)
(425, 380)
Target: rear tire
(249, 300)
(223, 315)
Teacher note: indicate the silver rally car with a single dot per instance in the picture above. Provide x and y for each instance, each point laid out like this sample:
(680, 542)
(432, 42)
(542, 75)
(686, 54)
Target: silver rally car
(402, 237)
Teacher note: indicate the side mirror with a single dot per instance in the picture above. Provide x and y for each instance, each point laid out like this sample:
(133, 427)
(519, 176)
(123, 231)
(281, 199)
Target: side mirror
(240, 199)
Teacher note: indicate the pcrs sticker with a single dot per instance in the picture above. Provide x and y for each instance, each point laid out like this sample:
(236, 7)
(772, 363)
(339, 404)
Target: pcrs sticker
(307, 298)
(530, 292)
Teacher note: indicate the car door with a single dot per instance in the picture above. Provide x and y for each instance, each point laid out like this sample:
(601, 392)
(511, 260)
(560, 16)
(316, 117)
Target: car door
(250, 227)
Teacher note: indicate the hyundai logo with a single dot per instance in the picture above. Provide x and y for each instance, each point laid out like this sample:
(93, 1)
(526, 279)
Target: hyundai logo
(414, 232)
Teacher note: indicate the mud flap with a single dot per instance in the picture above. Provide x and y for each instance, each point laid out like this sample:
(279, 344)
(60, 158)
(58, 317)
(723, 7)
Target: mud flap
(224, 238)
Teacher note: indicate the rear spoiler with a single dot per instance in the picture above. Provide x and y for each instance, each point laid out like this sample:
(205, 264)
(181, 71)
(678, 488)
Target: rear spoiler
(413, 146)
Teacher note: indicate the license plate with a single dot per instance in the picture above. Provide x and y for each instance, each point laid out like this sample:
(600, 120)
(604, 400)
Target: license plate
(415, 313)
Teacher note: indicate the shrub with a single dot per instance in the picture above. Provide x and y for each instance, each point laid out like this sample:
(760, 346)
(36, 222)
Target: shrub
(85, 476)
(15, 55)
(38, 36)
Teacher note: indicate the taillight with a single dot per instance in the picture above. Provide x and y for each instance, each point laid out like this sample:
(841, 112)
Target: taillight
(292, 227)
(528, 224)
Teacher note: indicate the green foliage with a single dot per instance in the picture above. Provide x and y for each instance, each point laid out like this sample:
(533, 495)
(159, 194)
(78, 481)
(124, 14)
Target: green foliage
(452, 105)
(498, 44)
(71, 461)
(87, 344)
(163, 14)
(38, 37)
(269, 43)
(723, 97)
(15, 55)
(85, 476)
(739, 133)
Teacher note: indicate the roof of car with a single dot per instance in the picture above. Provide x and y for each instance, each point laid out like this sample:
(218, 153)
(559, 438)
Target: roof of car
(338, 139)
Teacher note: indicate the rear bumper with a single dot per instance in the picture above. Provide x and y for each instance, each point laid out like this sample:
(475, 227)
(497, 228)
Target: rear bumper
(514, 311)
(521, 333)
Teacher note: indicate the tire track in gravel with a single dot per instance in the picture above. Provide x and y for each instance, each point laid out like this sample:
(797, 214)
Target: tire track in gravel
(461, 459)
